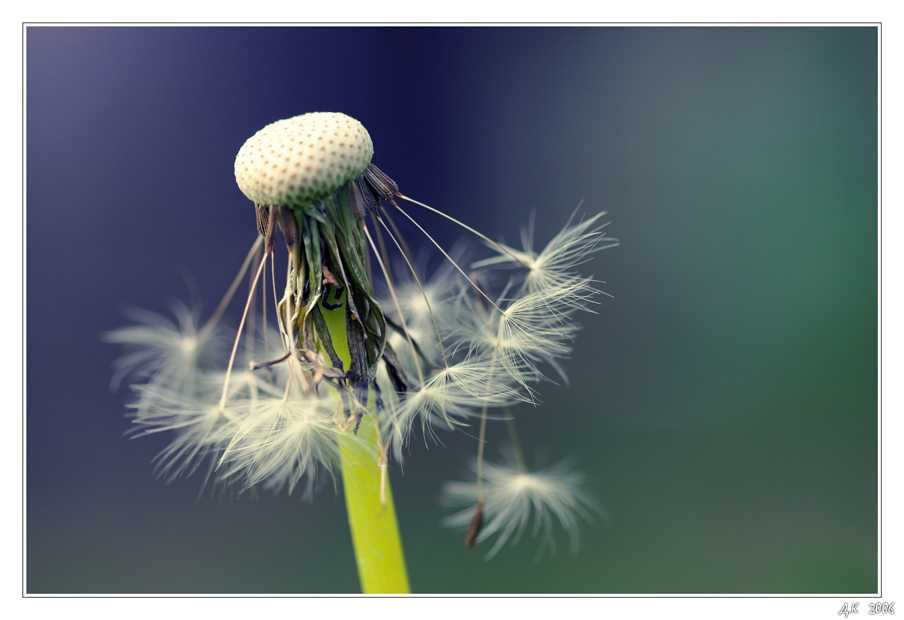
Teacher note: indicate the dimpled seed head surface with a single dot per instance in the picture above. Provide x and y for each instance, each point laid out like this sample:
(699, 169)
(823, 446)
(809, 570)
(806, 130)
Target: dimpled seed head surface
(303, 158)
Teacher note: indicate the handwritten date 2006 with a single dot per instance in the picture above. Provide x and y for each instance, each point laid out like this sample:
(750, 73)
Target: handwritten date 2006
(874, 609)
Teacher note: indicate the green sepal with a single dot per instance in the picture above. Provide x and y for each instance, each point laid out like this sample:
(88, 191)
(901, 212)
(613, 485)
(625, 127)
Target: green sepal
(326, 341)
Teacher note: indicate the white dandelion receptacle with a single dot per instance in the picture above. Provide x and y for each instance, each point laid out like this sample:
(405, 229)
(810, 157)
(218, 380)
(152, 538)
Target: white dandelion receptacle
(296, 160)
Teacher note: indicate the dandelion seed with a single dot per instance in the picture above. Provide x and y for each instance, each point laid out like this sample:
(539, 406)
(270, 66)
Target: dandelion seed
(513, 498)
(458, 392)
(196, 423)
(556, 263)
(533, 330)
(277, 442)
(170, 355)
(430, 305)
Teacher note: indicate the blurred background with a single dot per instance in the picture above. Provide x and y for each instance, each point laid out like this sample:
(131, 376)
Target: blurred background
(723, 404)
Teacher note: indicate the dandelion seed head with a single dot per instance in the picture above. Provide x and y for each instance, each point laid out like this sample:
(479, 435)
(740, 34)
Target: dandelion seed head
(302, 158)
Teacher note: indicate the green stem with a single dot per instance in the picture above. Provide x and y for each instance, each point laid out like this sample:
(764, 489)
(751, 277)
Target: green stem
(373, 524)
(375, 531)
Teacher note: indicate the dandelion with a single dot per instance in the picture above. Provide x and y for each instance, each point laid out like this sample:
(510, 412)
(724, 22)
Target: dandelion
(367, 351)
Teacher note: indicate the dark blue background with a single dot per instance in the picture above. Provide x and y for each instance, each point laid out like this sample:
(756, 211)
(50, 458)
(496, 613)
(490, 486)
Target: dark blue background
(723, 404)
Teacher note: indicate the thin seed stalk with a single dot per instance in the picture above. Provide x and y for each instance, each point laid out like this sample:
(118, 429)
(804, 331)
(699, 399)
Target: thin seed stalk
(373, 524)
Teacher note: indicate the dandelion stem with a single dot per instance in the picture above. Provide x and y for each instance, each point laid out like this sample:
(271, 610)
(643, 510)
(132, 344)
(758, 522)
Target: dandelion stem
(368, 496)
